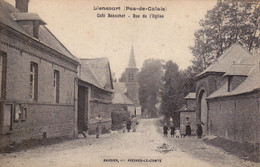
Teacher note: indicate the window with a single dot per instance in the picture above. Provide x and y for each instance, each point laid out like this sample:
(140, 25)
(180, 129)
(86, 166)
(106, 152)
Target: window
(34, 81)
(56, 85)
(130, 77)
(2, 74)
(229, 83)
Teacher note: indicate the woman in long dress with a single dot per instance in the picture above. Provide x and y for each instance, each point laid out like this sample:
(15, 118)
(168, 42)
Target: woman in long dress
(188, 128)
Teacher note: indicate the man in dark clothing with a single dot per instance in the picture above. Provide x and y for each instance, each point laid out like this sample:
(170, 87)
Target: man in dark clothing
(172, 130)
(188, 128)
(128, 125)
(199, 128)
(165, 130)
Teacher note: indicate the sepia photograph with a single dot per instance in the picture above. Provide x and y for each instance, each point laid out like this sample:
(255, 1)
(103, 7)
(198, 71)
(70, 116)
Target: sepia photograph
(93, 83)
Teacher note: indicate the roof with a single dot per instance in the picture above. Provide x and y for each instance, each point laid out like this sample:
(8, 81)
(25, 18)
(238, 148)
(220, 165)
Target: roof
(132, 63)
(8, 17)
(26, 16)
(239, 69)
(251, 83)
(96, 72)
(191, 96)
(120, 98)
(236, 54)
(185, 109)
(119, 87)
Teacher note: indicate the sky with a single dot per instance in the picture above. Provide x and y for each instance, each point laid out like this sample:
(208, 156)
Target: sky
(76, 25)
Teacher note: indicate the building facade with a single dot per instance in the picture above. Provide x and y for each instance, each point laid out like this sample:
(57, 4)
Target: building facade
(227, 96)
(37, 77)
(95, 93)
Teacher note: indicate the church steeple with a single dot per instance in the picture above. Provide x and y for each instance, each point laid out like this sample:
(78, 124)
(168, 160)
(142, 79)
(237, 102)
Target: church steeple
(132, 63)
(131, 80)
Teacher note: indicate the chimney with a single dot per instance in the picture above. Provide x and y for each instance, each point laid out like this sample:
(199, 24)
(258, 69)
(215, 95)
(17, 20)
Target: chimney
(22, 5)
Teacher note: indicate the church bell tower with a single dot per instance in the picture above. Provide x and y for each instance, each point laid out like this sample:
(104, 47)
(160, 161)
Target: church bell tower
(131, 81)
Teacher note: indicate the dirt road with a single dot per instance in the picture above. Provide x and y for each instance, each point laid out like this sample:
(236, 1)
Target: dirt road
(146, 147)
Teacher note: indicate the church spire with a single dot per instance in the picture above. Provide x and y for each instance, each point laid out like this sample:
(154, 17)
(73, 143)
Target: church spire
(132, 59)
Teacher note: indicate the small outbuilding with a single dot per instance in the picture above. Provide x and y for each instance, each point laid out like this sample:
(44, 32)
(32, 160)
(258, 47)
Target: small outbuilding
(188, 111)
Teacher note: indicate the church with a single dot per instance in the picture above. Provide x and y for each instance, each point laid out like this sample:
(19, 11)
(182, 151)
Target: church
(129, 89)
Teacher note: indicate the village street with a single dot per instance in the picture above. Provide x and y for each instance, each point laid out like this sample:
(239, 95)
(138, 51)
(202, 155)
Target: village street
(147, 143)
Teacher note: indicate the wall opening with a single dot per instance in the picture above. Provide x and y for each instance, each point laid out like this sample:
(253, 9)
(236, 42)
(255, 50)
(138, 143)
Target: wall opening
(203, 110)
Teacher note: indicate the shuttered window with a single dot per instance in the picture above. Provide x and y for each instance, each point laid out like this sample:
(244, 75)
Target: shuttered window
(3, 67)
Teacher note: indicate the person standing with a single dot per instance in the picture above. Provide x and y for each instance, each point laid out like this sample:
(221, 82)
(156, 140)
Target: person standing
(165, 130)
(183, 130)
(128, 125)
(188, 128)
(134, 126)
(98, 128)
(199, 128)
(85, 130)
(172, 130)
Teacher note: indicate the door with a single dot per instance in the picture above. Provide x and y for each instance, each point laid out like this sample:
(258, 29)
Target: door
(82, 108)
(204, 112)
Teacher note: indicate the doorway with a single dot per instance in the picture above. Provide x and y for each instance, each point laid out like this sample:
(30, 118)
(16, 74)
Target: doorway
(203, 111)
(82, 109)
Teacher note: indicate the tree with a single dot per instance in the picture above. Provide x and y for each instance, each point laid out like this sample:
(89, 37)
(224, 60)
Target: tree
(123, 77)
(150, 83)
(172, 92)
(229, 21)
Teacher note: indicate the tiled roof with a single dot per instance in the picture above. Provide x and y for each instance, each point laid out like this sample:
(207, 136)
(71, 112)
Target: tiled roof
(96, 72)
(7, 11)
(86, 75)
(191, 96)
(239, 69)
(236, 54)
(251, 83)
(120, 98)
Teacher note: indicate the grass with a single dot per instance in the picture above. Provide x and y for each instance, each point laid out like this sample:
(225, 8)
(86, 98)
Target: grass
(244, 151)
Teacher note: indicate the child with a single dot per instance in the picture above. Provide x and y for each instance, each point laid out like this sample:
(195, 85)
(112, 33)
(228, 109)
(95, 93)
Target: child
(172, 130)
(165, 130)
(134, 126)
(183, 130)
(177, 133)
(124, 127)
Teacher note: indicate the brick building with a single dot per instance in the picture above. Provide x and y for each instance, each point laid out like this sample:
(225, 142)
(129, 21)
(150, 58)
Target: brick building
(95, 93)
(37, 78)
(227, 95)
(188, 110)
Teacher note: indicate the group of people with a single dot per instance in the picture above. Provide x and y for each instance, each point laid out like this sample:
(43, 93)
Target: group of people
(129, 125)
(184, 130)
